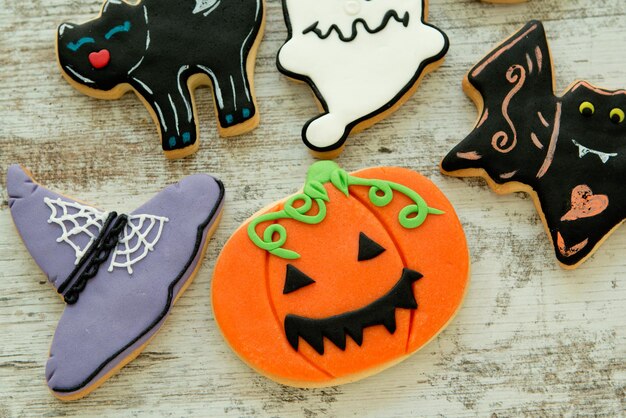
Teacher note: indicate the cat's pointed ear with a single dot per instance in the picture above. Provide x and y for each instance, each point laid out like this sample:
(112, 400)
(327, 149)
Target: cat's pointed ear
(63, 27)
(112, 4)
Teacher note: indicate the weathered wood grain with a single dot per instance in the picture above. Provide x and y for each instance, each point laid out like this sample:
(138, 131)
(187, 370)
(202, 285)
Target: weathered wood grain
(531, 339)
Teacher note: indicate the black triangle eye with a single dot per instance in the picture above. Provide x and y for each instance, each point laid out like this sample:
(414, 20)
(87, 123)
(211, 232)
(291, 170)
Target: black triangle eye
(368, 248)
(295, 279)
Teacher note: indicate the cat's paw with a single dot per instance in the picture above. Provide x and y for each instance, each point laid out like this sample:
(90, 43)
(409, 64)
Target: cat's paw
(238, 116)
(174, 141)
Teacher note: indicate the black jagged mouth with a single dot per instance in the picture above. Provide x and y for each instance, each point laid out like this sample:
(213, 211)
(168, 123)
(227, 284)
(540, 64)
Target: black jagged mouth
(335, 328)
(391, 14)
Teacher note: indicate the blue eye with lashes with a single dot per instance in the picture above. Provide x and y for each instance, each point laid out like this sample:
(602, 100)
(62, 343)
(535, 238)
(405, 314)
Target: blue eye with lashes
(121, 28)
(82, 41)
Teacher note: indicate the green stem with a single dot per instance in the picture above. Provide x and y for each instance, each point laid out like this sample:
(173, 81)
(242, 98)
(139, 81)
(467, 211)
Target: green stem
(410, 217)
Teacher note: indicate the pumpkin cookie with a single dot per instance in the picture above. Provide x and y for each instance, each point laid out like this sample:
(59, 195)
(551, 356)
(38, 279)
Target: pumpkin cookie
(343, 279)
(568, 152)
(119, 274)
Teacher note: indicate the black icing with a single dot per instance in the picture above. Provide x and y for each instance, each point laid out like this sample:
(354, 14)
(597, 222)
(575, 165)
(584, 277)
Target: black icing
(390, 104)
(587, 112)
(88, 255)
(335, 328)
(616, 119)
(391, 14)
(165, 43)
(588, 148)
(368, 248)
(295, 279)
(105, 243)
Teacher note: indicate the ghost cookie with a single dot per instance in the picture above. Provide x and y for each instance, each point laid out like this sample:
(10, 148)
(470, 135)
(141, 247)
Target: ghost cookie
(163, 50)
(568, 152)
(119, 274)
(362, 58)
(343, 279)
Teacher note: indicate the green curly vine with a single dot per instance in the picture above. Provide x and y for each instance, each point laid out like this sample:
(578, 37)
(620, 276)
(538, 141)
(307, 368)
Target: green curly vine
(321, 172)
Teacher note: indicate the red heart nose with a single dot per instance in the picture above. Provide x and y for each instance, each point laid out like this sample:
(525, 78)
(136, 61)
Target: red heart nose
(100, 59)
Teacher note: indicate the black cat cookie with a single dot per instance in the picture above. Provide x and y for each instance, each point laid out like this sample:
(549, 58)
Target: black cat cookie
(163, 50)
(568, 152)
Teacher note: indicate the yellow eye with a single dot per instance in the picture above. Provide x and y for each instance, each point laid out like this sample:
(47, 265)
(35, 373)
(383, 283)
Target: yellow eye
(587, 109)
(617, 116)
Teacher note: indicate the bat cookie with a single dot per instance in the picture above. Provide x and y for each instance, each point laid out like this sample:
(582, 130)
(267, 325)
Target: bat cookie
(568, 152)
(362, 58)
(119, 274)
(163, 50)
(346, 278)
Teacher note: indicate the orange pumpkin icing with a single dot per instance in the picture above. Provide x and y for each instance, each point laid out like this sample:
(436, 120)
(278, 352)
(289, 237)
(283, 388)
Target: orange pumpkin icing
(340, 293)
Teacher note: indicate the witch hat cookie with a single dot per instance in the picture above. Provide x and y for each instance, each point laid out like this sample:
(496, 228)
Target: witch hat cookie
(349, 276)
(568, 152)
(119, 274)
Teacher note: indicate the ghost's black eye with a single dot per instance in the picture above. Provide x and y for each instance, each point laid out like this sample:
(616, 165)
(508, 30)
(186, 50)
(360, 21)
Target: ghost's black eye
(295, 279)
(587, 109)
(368, 248)
(617, 116)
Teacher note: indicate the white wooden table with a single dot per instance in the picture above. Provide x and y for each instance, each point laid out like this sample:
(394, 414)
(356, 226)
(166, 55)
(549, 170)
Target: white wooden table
(531, 339)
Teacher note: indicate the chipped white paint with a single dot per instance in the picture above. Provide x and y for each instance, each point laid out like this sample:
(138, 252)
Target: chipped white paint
(531, 339)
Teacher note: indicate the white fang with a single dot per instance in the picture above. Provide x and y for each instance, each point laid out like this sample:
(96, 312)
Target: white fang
(583, 150)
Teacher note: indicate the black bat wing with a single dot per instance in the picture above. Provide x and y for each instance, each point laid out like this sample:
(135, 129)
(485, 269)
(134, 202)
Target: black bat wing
(513, 88)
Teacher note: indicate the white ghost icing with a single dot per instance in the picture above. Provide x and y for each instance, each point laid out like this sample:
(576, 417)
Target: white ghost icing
(369, 57)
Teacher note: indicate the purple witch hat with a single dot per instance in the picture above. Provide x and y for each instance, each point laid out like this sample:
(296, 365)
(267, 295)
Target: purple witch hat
(119, 274)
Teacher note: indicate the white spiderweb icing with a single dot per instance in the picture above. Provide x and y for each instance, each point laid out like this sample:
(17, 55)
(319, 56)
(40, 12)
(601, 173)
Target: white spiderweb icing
(141, 234)
(80, 224)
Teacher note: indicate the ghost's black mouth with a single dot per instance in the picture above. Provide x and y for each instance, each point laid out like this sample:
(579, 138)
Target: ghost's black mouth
(380, 312)
(391, 14)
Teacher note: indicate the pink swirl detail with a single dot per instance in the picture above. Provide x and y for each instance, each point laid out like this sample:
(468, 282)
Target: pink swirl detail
(500, 140)
(539, 57)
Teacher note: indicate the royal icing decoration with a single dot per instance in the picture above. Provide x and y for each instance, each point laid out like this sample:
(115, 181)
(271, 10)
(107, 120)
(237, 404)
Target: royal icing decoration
(570, 149)
(380, 194)
(119, 274)
(163, 50)
(342, 279)
(140, 234)
(360, 57)
(76, 219)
